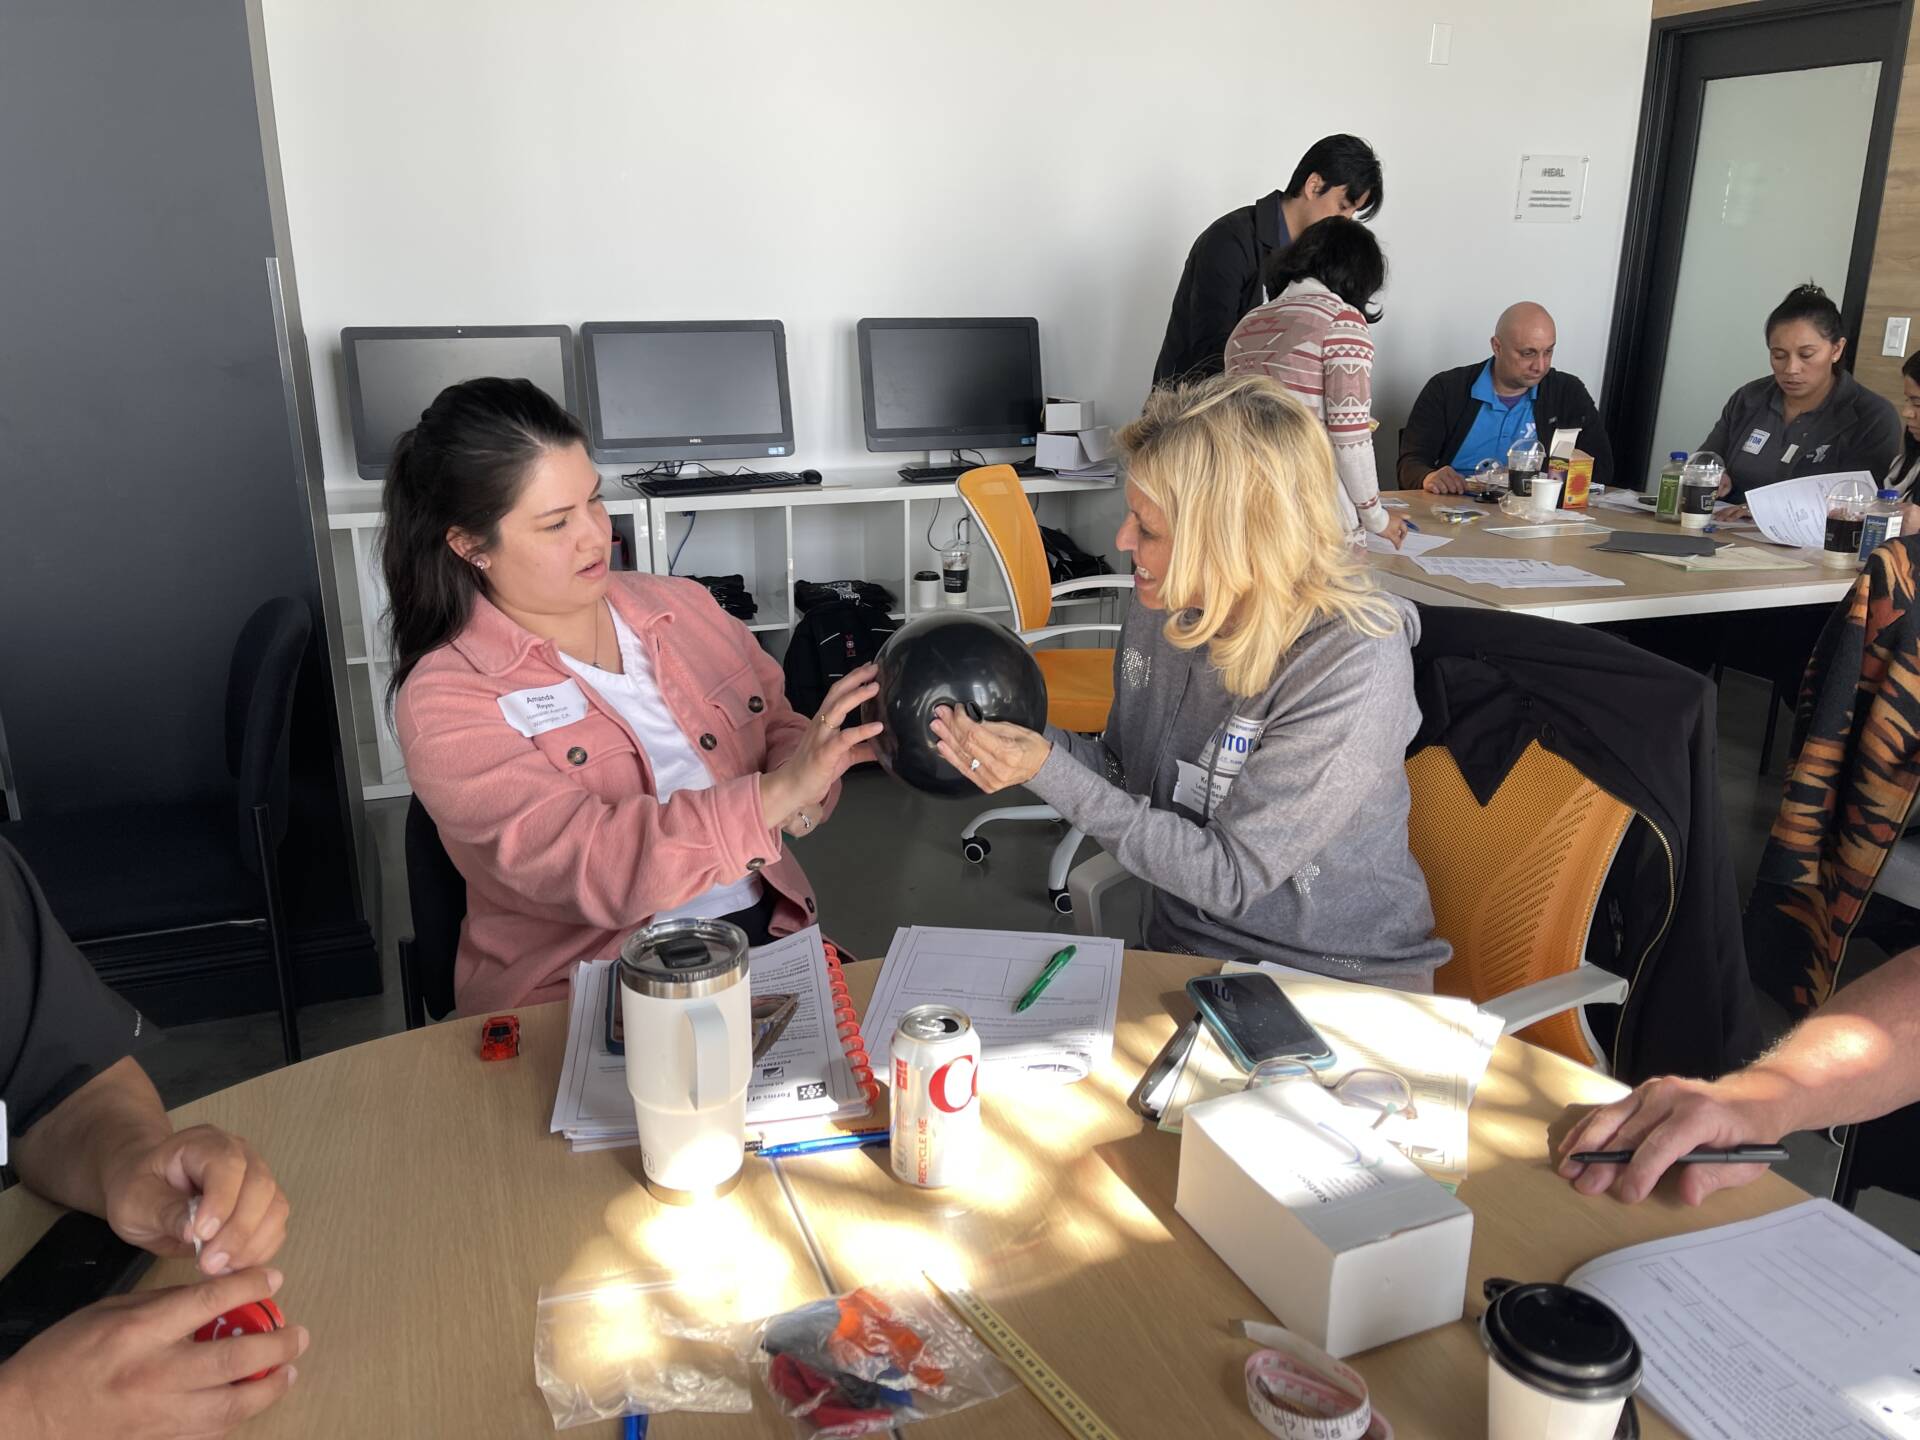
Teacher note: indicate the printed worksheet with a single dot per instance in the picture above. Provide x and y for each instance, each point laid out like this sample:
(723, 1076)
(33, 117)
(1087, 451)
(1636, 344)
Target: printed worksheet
(1516, 574)
(1794, 512)
(1061, 1038)
(1800, 1325)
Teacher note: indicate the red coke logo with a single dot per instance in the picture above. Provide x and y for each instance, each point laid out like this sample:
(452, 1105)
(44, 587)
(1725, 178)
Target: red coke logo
(953, 1092)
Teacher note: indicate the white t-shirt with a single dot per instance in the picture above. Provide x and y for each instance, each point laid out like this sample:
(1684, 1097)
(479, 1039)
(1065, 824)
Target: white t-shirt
(677, 765)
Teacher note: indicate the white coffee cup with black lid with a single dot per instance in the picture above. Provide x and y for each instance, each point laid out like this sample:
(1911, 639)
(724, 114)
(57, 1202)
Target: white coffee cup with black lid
(1560, 1364)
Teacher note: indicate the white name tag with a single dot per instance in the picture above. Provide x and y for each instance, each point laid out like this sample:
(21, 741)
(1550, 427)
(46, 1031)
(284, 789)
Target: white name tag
(534, 712)
(1191, 790)
(1757, 441)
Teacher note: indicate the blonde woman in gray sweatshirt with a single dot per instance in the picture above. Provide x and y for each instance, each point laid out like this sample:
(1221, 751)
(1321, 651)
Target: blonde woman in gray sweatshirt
(1251, 768)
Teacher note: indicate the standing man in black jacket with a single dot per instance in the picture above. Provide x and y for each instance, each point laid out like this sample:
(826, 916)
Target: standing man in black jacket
(1473, 413)
(1340, 175)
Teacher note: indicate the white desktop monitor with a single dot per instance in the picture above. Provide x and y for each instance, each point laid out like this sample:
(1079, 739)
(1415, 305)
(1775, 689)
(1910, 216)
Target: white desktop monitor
(394, 372)
(686, 390)
(950, 384)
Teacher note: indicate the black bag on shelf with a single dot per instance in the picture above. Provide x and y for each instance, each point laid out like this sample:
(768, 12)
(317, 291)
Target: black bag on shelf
(830, 641)
(809, 593)
(1067, 561)
(731, 592)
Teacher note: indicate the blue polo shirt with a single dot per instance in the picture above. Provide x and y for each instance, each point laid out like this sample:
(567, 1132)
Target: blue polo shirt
(1502, 420)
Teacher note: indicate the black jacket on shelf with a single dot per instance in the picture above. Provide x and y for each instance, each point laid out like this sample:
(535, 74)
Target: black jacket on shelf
(1445, 410)
(1642, 729)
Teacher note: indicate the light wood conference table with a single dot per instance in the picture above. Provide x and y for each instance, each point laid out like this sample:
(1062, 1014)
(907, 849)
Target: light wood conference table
(431, 1205)
(1651, 588)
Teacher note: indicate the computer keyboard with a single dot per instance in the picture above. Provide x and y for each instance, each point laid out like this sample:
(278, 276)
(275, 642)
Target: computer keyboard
(664, 487)
(939, 474)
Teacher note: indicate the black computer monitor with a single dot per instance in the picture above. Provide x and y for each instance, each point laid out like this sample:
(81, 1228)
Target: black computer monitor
(950, 384)
(687, 390)
(394, 371)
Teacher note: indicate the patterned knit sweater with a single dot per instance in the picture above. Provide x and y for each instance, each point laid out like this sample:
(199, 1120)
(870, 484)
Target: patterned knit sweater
(1321, 349)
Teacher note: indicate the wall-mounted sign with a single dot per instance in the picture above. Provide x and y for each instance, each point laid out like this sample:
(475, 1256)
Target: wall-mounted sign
(1553, 189)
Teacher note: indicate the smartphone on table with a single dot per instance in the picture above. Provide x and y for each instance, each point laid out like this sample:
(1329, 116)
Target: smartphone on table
(1255, 1023)
(78, 1261)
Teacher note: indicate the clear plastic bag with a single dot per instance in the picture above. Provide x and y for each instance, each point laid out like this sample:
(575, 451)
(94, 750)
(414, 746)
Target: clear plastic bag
(634, 1343)
(873, 1358)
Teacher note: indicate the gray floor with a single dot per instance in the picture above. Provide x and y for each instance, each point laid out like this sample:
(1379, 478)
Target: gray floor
(892, 855)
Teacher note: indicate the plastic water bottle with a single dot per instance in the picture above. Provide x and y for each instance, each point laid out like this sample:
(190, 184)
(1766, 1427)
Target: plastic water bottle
(1699, 486)
(1881, 523)
(1667, 507)
(1848, 501)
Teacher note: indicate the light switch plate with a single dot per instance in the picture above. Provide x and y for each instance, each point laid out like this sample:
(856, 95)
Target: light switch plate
(1896, 342)
(1440, 45)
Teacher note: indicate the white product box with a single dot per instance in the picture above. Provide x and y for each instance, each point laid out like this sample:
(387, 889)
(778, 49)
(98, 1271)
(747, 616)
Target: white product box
(1062, 414)
(1339, 1234)
(1073, 452)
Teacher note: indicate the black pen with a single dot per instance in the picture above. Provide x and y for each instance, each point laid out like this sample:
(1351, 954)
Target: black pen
(1738, 1155)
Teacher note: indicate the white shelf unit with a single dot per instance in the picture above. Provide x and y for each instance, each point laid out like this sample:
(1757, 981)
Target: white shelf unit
(856, 525)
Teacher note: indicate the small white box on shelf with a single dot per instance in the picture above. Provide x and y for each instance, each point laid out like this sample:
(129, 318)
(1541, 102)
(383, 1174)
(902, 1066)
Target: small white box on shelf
(1062, 414)
(1341, 1236)
(1073, 452)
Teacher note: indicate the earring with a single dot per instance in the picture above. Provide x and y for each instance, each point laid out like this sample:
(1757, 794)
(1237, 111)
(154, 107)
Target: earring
(481, 562)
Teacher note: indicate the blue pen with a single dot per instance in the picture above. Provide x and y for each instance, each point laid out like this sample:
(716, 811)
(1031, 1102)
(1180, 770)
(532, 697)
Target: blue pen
(825, 1144)
(1413, 527)
(636, 1427)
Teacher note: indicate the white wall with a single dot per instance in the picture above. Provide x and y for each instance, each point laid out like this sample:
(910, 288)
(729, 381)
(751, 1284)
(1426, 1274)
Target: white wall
(496, 162)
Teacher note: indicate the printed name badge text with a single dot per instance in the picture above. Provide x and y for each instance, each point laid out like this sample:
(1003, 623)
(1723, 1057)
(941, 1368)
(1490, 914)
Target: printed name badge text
(547, 707)
(1190, 788)
(1757, 441)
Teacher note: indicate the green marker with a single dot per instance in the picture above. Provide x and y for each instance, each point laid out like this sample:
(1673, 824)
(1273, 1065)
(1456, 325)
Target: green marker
(1054, 967)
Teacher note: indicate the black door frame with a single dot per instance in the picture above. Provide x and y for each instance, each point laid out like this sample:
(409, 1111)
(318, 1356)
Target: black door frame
(1638, 314)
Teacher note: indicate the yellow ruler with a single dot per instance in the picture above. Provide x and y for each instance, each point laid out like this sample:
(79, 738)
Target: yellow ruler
(1073, 1413)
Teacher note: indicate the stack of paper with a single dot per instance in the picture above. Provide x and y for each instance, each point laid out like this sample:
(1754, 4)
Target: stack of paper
(802, 1079)
(1059, 1039)
(1798, 1323)
(1794, 512)
(1440, 1045)
(1735, 557)
(1516, 574)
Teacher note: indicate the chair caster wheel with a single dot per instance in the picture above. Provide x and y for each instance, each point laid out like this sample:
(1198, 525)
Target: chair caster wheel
(1062, 901)
(976, 850)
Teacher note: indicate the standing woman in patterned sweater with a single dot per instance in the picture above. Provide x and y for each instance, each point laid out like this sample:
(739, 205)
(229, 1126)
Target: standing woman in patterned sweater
(1315, 338)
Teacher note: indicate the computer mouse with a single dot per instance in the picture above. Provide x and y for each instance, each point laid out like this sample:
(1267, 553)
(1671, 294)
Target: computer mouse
(810, 477)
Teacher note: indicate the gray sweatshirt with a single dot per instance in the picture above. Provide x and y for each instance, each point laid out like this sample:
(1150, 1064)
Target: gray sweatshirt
(1274, 826)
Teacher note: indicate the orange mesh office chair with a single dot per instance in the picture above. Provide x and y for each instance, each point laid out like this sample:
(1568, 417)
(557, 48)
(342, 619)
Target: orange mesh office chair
(1079, 682)
(1514, 884)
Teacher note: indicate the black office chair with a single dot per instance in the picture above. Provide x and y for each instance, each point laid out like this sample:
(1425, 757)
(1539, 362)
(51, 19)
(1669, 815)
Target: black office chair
(437, 895)
(138, 872)
(1880, 1154)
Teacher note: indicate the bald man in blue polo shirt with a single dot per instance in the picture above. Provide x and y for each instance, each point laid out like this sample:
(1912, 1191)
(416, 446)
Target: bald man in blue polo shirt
(1477, 412)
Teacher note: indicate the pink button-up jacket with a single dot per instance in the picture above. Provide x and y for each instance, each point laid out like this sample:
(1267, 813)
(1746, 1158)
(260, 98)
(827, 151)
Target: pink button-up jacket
(564, 846)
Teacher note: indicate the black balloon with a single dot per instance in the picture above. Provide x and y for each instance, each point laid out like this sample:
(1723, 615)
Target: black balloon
(949, 659)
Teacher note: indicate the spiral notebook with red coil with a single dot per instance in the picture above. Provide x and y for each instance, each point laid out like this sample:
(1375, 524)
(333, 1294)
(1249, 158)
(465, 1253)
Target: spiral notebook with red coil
(811, 1071)
(785, 1102)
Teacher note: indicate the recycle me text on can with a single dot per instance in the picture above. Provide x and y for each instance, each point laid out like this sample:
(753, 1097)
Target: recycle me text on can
(936, 1096)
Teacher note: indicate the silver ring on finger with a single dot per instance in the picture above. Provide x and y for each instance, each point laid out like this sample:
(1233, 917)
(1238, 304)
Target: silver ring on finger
(973, 764)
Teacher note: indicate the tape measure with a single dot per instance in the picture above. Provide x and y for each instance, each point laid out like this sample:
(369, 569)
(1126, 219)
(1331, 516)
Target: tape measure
(1299, 1392)
(1076, 1417)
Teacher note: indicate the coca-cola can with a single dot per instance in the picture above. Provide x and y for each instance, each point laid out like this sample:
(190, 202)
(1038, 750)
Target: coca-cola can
(936, 1096)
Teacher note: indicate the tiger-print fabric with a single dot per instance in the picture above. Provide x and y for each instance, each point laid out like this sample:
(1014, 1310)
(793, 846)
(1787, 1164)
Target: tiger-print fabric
(1851, 779)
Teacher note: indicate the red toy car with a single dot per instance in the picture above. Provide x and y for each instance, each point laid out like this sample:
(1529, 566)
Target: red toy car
(500, 1037)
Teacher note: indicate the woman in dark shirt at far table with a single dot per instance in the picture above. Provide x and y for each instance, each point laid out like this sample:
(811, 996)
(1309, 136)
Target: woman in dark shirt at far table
(1809, 417)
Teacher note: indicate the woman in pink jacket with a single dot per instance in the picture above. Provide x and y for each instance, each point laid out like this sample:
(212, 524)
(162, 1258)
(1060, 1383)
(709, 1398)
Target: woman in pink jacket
(599, 751)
